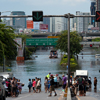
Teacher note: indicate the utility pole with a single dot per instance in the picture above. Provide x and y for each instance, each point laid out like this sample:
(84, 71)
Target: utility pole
(0, 17)
(68, 49)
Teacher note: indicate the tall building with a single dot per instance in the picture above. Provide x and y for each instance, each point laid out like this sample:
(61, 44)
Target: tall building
(79, 22)
(97, 9)
(92, 10)
(18, 22)
(86, 21)
(59, 24)
(48, 20)
(82, 22)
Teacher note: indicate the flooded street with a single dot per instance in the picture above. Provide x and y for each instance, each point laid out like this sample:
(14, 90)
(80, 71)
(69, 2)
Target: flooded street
(39, 67)
(87, 61)
(42, 65)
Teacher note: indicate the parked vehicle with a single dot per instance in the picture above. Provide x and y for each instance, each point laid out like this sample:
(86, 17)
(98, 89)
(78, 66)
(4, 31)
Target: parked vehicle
(97, 55)
(2, 90)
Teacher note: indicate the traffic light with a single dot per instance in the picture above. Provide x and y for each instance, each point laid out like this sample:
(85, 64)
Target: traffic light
(37, 16)
(0, 17)
(97, 16)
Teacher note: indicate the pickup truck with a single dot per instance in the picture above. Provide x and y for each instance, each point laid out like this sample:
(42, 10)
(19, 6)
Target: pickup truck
(2, 90)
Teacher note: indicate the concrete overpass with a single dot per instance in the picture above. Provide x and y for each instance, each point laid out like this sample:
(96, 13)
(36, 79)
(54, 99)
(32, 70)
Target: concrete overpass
(45, 34)
(93, 44)
(90, 34)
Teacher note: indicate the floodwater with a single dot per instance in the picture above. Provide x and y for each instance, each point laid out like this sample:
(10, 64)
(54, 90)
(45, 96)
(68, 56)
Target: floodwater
(42, 65)
(89, 62)
(39, 67)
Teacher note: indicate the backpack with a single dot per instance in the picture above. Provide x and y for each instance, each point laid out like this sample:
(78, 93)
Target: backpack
(30, 84)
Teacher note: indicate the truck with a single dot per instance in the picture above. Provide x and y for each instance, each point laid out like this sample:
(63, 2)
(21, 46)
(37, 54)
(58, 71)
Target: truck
(82, 73)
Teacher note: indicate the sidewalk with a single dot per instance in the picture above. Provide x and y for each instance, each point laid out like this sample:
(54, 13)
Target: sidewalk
(85, 98)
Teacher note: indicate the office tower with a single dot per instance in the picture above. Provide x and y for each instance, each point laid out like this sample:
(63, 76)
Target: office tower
(92, 10)
(59, 24)
(79, 22)
(82, 23)
(97, 9)
(48, 21)
(18, 22)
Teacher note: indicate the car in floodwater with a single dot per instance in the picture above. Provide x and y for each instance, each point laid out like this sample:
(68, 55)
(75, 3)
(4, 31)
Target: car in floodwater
(53, 54)
(97, 55)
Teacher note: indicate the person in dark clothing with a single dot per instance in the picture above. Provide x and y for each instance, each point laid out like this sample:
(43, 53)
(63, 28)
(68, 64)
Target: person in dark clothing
(80, 86)
(52, 87)
(95, 83)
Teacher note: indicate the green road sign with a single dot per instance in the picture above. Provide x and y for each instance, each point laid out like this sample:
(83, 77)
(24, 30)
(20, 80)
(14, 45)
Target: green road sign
(37, 16)
(41, 42)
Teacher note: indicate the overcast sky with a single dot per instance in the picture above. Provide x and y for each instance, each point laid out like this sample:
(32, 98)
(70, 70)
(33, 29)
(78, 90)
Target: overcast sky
(49, 7)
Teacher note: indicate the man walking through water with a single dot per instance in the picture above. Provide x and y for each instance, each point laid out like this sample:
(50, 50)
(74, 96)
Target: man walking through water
(52, 87)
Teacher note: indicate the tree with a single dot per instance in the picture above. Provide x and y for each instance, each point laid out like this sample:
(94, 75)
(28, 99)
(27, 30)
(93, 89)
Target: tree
(75, 46)
(7, 43)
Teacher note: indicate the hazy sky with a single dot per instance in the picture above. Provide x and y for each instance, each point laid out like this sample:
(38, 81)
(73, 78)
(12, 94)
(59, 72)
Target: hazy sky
(49, 7)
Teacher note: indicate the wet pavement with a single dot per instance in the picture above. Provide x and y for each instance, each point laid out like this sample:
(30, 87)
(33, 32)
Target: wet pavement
(87, 61)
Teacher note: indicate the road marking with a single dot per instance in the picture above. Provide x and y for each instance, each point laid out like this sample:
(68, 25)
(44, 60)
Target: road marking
(23, 97)
(77, 98)
(61, 96)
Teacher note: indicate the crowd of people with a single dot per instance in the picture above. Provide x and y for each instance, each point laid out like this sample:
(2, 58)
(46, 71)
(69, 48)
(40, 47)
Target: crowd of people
(49, 84)
(13, 86)
(35, 84)
(81, 84)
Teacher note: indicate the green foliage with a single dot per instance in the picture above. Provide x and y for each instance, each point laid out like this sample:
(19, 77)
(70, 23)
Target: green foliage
(7, 44)
(73, 62)
(75, 40)
(96, 40)
(29, 51)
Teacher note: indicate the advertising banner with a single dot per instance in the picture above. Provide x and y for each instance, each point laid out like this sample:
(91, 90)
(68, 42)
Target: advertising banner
(36, 25)
(29, 24)
(95, 28)
(44, 27)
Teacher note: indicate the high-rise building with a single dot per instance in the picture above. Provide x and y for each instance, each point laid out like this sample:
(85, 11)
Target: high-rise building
(18, 22)
(98, 9)
(86, 21)
(59, 24)
(79, 22)
(92, 10)
(48, 21)
(82, 22)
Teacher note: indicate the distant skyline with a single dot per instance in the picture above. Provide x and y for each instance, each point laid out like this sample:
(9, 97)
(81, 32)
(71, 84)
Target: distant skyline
(49, 7)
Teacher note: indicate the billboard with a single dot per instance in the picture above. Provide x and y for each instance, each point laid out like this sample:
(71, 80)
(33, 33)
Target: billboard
(95, 28)
(44, 27)
(36, 25)
(29, 24)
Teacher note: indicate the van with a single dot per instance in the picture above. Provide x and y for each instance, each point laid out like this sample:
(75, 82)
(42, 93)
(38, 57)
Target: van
(82, 73)
(97, 55)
